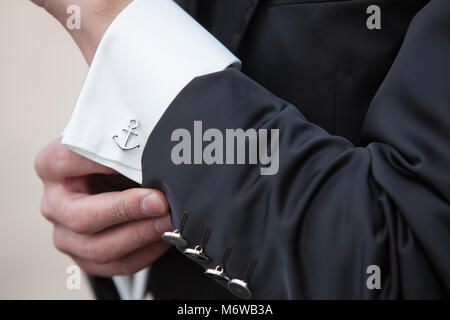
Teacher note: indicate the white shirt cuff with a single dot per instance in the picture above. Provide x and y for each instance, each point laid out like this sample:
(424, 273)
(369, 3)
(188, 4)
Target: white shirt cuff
(151, 51)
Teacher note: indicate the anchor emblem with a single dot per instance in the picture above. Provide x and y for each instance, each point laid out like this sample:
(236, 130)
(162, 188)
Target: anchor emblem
(133, 124)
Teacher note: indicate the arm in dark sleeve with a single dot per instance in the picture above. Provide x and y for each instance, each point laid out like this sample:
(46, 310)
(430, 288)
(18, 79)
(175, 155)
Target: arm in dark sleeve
(332, 209)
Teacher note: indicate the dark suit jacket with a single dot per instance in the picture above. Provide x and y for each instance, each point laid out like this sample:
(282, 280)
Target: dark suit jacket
(364, 120)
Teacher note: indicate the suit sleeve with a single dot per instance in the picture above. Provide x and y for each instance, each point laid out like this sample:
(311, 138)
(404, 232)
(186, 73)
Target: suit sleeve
(333, 209)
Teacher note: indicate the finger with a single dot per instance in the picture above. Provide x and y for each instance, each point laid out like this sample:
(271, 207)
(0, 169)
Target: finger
(93, 213)
(111, 244)
(88, 214)
(128, 265)
(55, 200)
(56, 162)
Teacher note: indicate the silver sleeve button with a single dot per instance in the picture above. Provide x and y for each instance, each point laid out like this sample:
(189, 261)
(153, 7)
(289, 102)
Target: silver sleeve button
(218, 273)
(240, 287)
(175, 237)
(198, 253)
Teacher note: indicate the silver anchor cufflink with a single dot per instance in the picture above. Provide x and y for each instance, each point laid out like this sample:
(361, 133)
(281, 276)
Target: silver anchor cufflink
(132, 124)
(218, 273)
(175, 237)
(240, 287)
(197, 253)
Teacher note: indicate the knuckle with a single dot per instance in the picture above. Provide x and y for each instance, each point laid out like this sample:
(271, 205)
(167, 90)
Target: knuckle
(58, 241)
(42, 163)
(76, 223)
(39, 164)
(94, 253)
(77, 220)
(74, 219)
(100, 258)
(140, 236)
(45, 208)
(88, 250)
(63, 161)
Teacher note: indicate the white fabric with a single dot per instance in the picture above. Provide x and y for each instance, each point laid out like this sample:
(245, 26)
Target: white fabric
(123, 286)
(132, 287)
(151, 51)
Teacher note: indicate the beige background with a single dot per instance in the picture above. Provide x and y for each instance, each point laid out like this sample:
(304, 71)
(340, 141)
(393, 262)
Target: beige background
(41, 74)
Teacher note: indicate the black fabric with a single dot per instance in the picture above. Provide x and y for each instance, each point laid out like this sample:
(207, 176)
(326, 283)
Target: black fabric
(173, 276)
(364, 154)
(103, 288)
(364, 151)
(321, 58)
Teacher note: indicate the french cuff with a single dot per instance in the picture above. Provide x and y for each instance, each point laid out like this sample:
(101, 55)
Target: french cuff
(150, 52)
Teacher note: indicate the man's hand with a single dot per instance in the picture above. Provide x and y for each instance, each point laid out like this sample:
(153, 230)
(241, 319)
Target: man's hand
(96, 16)
(108, 233)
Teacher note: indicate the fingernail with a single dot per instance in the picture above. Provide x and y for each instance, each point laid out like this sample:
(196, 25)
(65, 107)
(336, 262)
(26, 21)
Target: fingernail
(163, 224)
(152, 205)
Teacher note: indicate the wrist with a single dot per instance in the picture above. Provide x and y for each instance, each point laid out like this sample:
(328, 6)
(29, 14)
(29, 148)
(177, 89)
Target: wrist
(95, 17)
